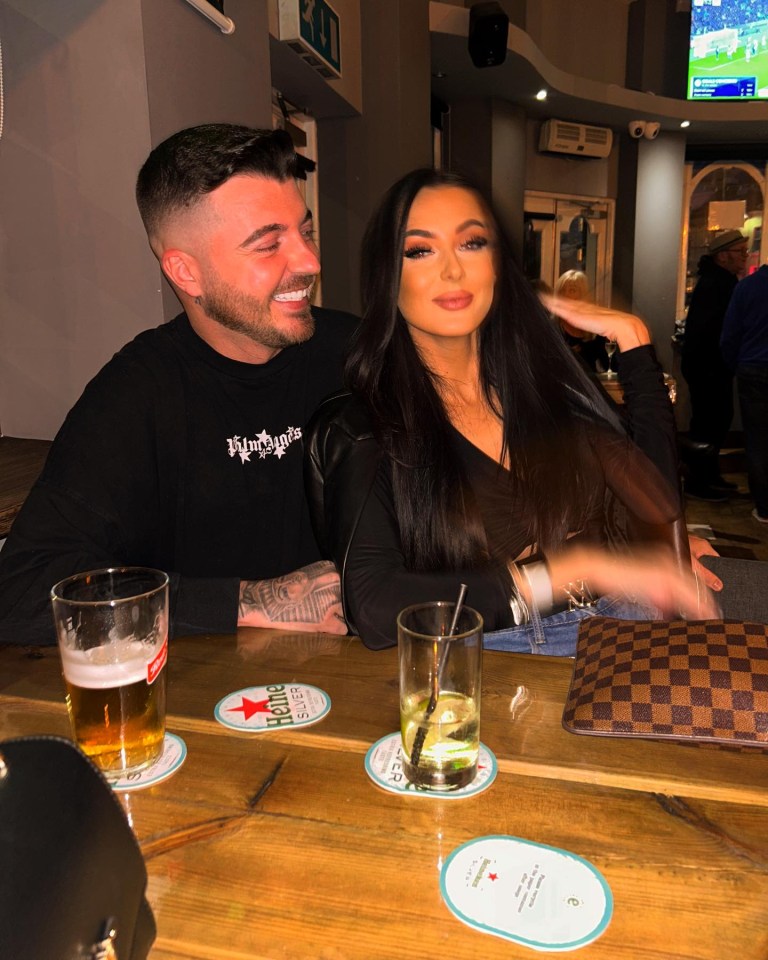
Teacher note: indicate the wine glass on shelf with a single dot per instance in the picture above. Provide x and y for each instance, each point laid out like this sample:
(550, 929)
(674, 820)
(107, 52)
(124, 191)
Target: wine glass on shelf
(610, 349)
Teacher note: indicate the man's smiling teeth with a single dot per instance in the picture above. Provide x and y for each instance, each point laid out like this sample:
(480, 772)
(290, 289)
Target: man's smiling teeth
(292, 295)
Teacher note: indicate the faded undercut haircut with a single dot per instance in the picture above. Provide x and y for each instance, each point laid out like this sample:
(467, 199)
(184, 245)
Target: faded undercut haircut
(193, 162)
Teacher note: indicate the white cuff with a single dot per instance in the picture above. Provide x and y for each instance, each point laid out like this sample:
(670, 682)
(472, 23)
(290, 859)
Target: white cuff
(540, 584)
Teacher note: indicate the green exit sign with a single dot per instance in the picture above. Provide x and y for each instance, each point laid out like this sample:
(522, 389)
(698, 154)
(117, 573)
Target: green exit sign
(313, 30)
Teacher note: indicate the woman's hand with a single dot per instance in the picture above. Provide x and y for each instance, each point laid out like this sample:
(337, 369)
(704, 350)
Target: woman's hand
(650, 576)
(703, 548)
(625, 329)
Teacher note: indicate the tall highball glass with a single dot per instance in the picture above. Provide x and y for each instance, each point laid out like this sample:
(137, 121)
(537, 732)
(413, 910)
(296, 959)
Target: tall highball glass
(440, 678)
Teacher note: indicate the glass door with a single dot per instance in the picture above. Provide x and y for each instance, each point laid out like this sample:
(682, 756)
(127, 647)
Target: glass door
(569, 233)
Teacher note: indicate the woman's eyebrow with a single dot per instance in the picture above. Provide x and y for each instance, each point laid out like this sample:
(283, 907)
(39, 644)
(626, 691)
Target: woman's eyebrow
(470, 223)
(460, 229)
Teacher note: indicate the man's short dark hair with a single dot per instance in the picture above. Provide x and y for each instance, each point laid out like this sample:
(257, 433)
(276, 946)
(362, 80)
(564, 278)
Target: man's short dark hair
(193, 162)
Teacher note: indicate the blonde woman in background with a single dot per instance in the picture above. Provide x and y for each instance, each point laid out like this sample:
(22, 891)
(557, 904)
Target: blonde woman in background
(574, 285)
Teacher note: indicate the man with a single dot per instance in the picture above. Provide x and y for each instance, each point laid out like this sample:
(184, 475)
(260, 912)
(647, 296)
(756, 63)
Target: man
(185, 451)
(710, 382)
(744, 345)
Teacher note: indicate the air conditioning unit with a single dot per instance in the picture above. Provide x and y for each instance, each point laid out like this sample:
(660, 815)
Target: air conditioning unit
(578, 139)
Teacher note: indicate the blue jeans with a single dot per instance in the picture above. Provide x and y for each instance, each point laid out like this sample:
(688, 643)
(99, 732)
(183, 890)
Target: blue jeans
(556, 635)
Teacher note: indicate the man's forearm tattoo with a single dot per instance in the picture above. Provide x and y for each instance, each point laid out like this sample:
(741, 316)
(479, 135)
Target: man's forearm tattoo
(303, 596)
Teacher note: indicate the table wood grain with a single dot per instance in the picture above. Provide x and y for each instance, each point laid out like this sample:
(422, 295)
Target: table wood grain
(263, 848)
(21, 461)
(523, 698)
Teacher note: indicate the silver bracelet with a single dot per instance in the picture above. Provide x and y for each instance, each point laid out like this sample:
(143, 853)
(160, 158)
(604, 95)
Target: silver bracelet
(579, 595)
(540, 584)
(521, 615)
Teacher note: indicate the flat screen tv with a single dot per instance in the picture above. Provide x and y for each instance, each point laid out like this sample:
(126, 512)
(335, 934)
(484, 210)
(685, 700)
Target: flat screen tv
(728, 58)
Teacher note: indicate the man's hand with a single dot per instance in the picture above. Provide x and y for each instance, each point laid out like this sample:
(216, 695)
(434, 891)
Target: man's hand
(307, 600)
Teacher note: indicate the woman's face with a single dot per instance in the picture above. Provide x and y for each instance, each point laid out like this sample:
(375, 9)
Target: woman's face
(449, 271)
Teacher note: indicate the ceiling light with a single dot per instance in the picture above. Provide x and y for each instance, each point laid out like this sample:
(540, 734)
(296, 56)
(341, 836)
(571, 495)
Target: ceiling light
(541, 95)
(685, 123)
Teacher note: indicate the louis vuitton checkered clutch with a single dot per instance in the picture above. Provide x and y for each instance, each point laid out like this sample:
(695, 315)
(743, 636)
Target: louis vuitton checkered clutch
(680, 680)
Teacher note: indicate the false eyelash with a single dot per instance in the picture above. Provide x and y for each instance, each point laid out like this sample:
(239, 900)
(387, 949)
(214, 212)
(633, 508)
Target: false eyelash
(479, 241)
(414, 252)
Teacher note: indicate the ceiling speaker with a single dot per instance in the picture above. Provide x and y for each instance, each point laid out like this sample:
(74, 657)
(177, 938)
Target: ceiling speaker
(488, 29)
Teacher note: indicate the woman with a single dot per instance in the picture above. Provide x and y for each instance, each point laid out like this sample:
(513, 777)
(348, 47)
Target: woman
(472, 447)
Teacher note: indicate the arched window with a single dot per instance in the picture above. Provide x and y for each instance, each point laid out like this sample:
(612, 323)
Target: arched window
(719, 196)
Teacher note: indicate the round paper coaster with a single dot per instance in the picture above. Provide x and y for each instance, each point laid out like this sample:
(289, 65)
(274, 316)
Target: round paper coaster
(173, 755)
(384, 765)
(537, 895)
(272, 707)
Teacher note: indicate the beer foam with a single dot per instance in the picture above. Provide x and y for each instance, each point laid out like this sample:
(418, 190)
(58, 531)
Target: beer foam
(90, 669)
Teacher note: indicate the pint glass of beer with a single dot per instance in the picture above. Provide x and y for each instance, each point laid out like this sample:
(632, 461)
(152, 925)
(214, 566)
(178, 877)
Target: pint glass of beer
(112, 627)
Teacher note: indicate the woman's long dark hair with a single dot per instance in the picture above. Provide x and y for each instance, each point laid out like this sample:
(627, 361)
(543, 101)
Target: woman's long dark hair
(528, 375)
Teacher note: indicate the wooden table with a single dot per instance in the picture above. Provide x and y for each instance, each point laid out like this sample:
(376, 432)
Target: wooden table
(21, 461)
(278, 845)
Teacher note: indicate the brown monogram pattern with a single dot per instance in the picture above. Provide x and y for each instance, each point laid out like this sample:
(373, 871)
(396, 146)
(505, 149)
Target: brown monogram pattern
(683, 680)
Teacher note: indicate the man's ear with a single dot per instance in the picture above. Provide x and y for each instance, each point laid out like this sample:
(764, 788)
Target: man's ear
(183, 270)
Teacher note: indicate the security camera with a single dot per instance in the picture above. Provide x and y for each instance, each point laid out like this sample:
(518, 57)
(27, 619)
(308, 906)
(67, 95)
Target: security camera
(636, 128)
(651, 130)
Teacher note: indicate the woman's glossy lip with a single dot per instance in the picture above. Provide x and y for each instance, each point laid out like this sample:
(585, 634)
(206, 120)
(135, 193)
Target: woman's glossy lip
(454, 301)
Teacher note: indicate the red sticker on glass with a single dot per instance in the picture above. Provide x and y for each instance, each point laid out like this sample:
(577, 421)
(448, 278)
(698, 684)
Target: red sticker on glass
(157, 663)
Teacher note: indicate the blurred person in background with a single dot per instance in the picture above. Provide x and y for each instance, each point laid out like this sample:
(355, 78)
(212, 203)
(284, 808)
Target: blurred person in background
(744, 344)
(710, 381)
(573, 285)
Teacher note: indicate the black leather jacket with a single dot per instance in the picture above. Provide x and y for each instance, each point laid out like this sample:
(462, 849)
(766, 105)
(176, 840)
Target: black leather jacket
(338, 485)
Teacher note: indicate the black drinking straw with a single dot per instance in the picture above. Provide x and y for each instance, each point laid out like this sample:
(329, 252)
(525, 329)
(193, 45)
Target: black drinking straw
(437, 679)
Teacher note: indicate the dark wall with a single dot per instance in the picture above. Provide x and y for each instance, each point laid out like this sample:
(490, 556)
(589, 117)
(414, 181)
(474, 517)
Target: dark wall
(90, 87)
(76, 277)
(361, 157)
(657, 48)
(197, 74)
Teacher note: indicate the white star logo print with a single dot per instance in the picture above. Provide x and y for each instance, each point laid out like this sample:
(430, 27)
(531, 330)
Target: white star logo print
(264, 444)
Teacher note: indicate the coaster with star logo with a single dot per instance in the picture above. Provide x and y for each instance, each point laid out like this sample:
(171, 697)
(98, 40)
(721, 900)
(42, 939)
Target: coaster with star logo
(540, 896)
(272, 707)
(384, 765)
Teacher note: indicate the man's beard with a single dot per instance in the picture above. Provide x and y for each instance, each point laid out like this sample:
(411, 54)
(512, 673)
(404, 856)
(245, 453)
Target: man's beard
(252, 317)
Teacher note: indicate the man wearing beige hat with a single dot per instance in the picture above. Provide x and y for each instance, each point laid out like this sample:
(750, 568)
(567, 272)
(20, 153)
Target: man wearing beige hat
(710, 382)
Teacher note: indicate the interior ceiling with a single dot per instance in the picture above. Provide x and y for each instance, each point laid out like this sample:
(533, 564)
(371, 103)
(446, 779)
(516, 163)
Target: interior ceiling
(570, 98)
